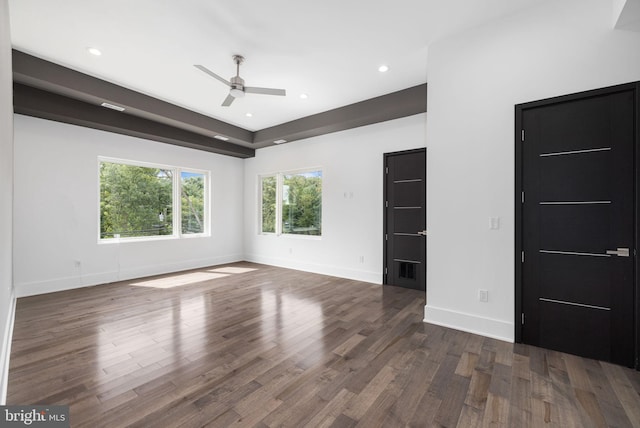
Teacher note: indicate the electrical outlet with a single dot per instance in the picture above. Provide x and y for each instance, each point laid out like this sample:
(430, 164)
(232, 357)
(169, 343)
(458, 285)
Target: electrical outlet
(483, 295)
(361, 259)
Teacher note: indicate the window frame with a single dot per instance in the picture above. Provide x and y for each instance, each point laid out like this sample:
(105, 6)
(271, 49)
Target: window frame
(176, 203)
(279, 202)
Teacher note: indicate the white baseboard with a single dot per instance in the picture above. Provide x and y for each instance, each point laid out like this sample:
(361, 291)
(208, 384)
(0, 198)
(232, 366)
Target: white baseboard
(88, 280)
(483, 326)
(355, 274)
(5, 348)
(53, 285)
(65, 283)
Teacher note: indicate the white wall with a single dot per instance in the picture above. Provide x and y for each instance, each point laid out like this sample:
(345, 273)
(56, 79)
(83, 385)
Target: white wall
(626, 14)
(56, 203)
(352, 227)
(475, 79)
(7, 297)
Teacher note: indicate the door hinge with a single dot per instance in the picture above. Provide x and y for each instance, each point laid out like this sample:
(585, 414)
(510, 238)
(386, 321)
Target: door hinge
(522, 318)
(386, 271)
(522, 197)
(386, 204)
(522, 256)
(386, 170)
(386, 237)
(522, 135)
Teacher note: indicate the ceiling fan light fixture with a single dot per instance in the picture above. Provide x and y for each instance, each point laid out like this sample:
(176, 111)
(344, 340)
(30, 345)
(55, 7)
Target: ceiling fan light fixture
(236, 93)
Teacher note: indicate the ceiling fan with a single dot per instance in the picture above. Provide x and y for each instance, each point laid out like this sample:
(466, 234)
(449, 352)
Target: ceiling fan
(237, 84)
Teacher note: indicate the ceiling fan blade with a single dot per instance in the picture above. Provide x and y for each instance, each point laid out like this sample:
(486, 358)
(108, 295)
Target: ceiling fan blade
(227, 101)
(212, 74)
(265, 91)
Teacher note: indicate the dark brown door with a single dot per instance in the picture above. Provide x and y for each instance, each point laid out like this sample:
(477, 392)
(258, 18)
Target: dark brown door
(578, 226)
(405, 219)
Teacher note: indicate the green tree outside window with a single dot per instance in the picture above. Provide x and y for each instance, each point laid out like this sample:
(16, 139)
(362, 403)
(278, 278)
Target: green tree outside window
(137, 201)
(269, 204)
(299, 208)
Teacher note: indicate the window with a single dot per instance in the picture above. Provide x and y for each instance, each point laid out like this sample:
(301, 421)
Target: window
(192, 200)
(291, 203)
(145, 201)
(268, 189)
(302, 203)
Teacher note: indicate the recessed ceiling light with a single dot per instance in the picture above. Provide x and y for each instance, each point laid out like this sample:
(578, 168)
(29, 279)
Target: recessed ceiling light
(94, 51)
(383, 69)
(304, 96)
(112, 106)
(279, 141)
(220, 137)
(249, 114)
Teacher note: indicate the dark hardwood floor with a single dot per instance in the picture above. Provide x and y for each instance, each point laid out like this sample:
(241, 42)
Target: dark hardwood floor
(252, 345)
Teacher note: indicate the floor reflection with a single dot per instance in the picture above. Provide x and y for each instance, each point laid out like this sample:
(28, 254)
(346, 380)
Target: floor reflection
(390, 294)
(123, 347)
(287, 320)
(174, 330)
(164, 338)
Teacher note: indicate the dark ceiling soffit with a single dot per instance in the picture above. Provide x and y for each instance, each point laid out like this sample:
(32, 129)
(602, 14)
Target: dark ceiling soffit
(46, 105)
(406, 102)
(42, 74)
(199, 129)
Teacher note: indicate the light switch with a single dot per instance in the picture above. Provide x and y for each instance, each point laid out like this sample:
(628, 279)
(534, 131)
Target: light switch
(494, 223)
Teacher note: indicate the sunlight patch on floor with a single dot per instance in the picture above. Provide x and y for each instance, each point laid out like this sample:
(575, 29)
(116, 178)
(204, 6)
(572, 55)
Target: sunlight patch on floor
(180, 280)
(231, 269)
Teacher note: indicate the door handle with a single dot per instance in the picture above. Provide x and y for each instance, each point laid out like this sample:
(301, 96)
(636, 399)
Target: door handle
(620, 252)
(422, 232)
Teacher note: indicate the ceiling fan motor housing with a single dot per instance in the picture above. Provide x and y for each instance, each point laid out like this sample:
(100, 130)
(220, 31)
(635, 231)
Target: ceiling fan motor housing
(237, 86)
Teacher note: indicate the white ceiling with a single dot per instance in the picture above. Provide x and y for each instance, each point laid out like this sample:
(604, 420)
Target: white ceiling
(329, 49)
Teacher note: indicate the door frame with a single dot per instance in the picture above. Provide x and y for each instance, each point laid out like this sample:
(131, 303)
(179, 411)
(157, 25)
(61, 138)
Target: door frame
(519, 110)
(386, 156)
